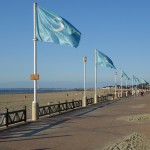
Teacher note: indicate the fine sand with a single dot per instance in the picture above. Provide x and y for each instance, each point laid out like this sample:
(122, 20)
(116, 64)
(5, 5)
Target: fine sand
(18, 101)
(136, 118)
(134, 141)
(123, 125)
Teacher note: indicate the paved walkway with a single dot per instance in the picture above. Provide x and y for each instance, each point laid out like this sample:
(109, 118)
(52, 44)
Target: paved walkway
(91, 128)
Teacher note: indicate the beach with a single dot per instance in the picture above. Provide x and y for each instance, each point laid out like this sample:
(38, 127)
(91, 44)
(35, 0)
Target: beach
(18, 101)
(119, 124)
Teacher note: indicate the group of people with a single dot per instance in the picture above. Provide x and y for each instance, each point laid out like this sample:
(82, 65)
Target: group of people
(137, 92)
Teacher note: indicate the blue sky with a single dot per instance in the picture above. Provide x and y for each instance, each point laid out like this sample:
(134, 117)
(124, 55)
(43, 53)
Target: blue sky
(120, 29)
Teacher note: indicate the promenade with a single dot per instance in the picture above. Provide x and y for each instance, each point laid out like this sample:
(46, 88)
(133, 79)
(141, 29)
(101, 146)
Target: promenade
(95, 127)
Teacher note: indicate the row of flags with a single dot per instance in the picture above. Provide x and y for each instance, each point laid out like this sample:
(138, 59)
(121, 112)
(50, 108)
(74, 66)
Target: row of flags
(104, 61)
(50, 27)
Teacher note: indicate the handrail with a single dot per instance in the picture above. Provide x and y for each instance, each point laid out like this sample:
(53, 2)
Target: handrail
(13, 117)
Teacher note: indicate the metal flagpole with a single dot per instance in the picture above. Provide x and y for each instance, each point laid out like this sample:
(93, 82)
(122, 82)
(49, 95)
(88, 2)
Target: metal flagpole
(132, 85)
(35, 54)
(126, 87)
(95, 96)
(35, 76)
(121, 82)
(84, 97)
(115, 85)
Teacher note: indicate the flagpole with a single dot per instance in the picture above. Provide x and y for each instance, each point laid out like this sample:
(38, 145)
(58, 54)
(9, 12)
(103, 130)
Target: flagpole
(95, 96)
(142, 84)
(126, 87)
(35, 102)
(121, 82)
(116, 85)
(132, 85)
(35, 54)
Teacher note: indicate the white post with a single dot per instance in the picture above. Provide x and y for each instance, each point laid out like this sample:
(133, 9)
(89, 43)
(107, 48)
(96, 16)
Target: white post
(84, 97)
(121, 82)
(35, 103)
(35, 54)
(95, 96)
(132, 85)
(115, 85)
(126, 87)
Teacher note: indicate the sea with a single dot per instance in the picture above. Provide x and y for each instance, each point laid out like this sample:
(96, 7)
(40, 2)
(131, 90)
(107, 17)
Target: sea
(31, 90)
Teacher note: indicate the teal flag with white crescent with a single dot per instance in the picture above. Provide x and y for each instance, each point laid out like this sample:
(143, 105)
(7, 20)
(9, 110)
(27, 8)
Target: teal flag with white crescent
(135, 79)
(125, 75)
(53, 28)
(145, 81)
(104, 60)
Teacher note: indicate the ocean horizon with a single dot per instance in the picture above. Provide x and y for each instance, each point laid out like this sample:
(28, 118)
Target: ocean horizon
(31, 90)
(39, 90)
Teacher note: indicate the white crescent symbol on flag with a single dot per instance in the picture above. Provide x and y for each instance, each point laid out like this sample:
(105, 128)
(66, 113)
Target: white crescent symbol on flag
(61, 25)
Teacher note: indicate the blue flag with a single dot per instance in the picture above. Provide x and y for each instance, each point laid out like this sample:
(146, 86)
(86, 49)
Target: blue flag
(103, 60)
(53, 28)
(125, 75)
(145, 81)
(135, 79)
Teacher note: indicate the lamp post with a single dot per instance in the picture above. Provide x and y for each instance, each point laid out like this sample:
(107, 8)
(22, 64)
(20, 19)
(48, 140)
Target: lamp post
(84, 97)
(95, 96)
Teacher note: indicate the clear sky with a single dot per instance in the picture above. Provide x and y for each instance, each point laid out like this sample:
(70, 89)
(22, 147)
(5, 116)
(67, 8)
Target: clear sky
(118, 28)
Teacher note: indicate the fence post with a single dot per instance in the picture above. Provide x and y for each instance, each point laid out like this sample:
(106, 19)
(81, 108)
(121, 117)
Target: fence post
(49, 109)
(66, 105)
(73, 103)
(25, 113)
(7, 117)
(59, 107)
(98, 99)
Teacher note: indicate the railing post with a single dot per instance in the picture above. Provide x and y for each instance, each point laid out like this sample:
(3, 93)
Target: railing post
(66, 105)
(80, 102)
(25, 113)
(49, 109)
(59, 107)
(98, 99)
(7, 117)
(73, 103)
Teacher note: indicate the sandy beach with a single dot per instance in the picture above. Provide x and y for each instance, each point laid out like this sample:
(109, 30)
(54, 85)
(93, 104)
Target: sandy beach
(121, 124)
(18, 101)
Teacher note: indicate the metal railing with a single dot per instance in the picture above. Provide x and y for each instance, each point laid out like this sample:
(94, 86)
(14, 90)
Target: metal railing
(102, 98)
(60, 107)
(13, 117)
(90, 101)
